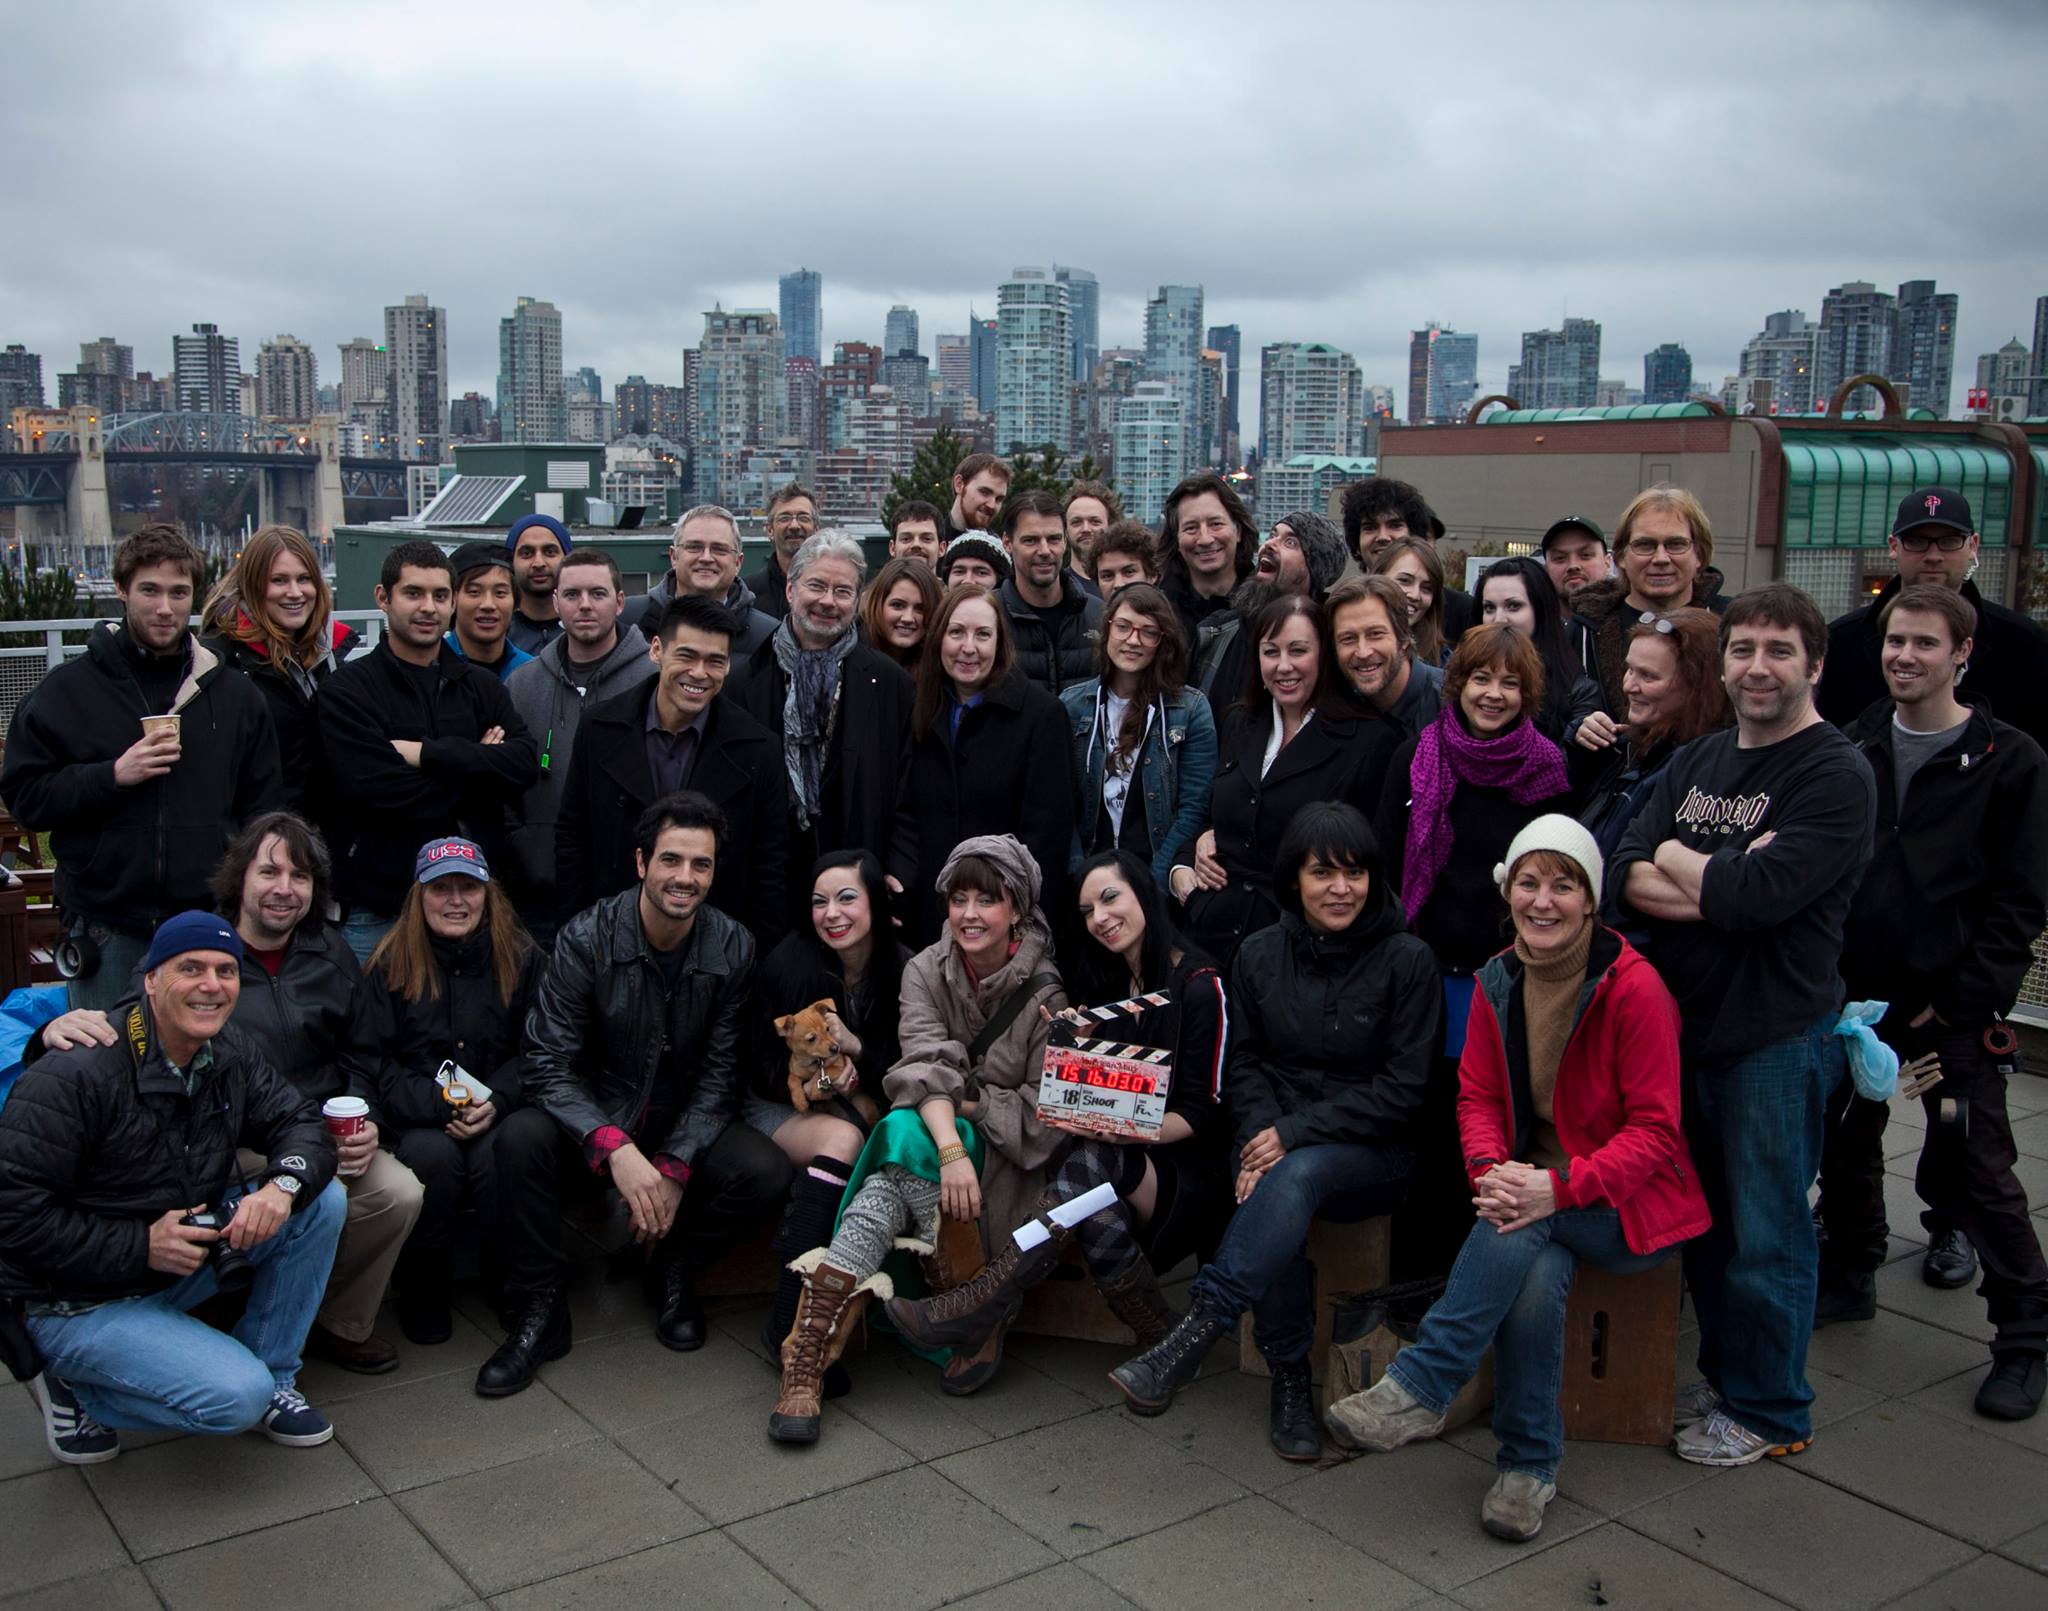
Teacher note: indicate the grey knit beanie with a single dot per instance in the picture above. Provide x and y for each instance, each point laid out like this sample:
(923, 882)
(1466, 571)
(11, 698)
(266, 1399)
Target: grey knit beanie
(1322, 549)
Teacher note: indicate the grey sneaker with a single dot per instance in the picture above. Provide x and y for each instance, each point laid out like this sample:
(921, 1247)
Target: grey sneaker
(1513, 1506)
(1385, 1416)
(1719, 1441)
(1695, 1402)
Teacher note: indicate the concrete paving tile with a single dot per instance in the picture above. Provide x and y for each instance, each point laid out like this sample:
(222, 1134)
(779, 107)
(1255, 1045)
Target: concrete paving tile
(1085, 1484)
(122, 1589)
(706, 1571)
(466, 1348)
(1080, 1367)
(1800, 1539)
(1248, 1553)
(893, 1396)
(903, 1542)
(1959, 1309)
(199, 1490)
(2029, 1549)
(1417, 1510)
(440, 1428)
(1221, 1421)
(741, 1319)
(553, 1514)
(720, 1459)
(1835, 1397)
(365, 1555)
(1615, 1478)
(2030, 1135)
(631, 1380)
(1986, 1584)
(1020, 1399)
(1066, 1586)
(2027, 1093)
(53, 1530)
(22, 1448)
(1936, 1470)
(1610, 1566)
(1892, 1354)
(1956, 1398)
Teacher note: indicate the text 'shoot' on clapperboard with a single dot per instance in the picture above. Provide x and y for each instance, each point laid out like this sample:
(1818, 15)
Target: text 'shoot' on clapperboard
(1105, 1087)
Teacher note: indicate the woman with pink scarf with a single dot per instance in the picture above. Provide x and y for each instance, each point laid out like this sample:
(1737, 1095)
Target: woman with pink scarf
(1457, 794)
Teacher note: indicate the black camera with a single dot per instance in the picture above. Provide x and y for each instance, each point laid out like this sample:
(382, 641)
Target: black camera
(76, 955)
(231, 1267)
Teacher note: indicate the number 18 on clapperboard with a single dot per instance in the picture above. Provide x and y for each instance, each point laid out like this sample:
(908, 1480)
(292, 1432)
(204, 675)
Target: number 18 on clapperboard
(1105, 1087)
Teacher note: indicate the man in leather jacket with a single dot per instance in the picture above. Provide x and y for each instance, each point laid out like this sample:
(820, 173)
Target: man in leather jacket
(633, 1080)
(297, 1006)
(107, 1154)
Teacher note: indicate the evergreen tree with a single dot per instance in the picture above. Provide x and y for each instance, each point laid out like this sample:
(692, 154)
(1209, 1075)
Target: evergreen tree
(930, 475)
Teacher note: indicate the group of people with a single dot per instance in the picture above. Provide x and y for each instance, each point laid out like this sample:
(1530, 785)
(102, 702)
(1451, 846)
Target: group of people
(1527, 918)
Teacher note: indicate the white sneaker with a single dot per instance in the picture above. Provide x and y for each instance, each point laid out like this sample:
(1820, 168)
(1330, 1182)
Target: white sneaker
(1695, 1402)
(1383, 1417)
(1513, 1506)
(1719, 1441)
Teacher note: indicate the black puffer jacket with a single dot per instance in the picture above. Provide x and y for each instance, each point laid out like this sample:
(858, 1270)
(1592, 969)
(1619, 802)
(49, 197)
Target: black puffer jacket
(97, 1142)
(1331, 758)
(1054, 656)
(302, 1020)
(131, 857)
(378, 809)
(1336, 1033)
(608, 1044)
(1962, 869)
(402, 1044)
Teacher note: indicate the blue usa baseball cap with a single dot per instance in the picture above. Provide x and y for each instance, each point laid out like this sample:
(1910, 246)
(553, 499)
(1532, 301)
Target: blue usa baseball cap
(190, 931)
(440, 857)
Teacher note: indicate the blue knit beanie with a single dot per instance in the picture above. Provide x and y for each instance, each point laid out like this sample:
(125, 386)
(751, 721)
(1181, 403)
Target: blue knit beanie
(191, 931)
(525, 521)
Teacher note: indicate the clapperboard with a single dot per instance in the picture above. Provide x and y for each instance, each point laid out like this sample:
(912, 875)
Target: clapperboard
(1105, 1087)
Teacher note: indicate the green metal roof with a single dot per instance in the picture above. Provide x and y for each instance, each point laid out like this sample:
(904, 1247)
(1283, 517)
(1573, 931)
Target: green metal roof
(1632, 411)
(1842, 488)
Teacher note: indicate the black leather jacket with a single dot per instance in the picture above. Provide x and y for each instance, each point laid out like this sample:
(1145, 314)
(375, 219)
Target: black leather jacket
(609, 1045)
(97, 1142)
(300, 1020)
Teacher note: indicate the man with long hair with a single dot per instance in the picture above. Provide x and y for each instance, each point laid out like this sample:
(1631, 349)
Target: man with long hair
(297, 1002)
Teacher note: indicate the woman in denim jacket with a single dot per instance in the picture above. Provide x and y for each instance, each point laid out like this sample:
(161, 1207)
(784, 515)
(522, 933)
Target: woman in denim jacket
(1144, 742)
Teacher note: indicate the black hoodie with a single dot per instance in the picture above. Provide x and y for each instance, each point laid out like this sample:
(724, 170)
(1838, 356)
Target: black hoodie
(1335, 1034)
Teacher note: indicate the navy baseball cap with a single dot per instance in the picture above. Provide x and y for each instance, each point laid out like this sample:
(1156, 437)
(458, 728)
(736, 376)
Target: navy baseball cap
(440, 857)
(1934, 506)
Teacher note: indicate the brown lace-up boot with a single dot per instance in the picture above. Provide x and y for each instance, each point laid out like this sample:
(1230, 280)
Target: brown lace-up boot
(1135, 1299)
(831, 1302)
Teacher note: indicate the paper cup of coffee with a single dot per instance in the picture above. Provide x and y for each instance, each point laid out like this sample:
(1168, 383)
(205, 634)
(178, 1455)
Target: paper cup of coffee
(153, 725)
(345, 1115)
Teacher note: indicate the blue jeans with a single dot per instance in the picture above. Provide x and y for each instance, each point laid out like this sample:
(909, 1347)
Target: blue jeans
(363, 928)
(144, 1362)
(1511, 1290)
(1755, 1126)
(1260, 1265)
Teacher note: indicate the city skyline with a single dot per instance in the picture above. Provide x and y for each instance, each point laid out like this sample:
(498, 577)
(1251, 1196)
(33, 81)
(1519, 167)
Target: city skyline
(1688, 230)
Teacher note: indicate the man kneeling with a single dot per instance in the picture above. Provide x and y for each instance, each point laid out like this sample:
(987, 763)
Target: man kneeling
(122, 1207)
(633, 1080)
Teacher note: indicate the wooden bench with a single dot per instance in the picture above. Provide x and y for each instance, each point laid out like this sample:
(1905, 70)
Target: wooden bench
(1342, 1259)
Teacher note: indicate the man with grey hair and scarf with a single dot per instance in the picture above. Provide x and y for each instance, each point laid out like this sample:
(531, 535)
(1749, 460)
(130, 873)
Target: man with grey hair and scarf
(840, 708)
(1303, 553)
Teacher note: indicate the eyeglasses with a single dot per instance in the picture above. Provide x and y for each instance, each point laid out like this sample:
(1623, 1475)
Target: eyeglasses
(1919, 542)
(1646, 547)
(1136, 630)
(1656, 622)
(697, 550)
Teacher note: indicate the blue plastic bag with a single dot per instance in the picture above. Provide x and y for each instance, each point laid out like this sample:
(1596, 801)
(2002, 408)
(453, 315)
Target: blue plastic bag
(23, 1013)
(1873, 1066)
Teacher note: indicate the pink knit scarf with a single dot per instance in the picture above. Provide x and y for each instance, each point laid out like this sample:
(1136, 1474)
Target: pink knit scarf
(1520, 761)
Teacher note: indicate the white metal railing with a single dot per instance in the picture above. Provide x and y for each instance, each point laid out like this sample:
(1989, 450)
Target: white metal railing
(64, 638)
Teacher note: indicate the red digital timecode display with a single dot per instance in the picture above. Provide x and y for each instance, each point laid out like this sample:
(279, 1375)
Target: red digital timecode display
(1076, 1072)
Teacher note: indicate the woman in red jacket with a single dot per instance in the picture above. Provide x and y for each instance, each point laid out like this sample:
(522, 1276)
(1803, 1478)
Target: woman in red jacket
(1568, 1111)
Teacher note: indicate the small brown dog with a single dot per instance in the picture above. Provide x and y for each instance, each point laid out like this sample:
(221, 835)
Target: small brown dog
(818, 1069)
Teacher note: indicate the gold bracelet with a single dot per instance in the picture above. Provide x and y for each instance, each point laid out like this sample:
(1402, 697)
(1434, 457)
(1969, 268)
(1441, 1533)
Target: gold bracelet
(952, 1153)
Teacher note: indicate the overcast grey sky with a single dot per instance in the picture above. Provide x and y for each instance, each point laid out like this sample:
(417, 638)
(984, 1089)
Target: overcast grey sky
(1333, 172)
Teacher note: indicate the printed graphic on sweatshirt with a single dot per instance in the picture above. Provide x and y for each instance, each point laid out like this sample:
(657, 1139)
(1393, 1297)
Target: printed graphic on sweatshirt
(1721, 814)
